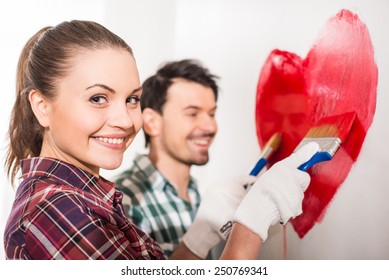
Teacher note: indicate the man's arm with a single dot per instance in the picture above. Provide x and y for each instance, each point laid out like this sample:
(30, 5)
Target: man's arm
(183, 253)
(235, 249)
(242, 244)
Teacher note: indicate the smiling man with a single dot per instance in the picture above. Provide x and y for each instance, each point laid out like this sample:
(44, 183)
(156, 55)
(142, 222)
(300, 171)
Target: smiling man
(178, 105)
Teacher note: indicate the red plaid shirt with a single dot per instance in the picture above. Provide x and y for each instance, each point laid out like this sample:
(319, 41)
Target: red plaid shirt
(62, 212)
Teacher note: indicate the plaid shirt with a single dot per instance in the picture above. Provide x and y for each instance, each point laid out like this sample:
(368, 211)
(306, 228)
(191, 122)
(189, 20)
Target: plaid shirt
(154, 205)
(63, 212)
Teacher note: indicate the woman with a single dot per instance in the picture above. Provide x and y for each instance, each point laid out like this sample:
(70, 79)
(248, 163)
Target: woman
(76, 111)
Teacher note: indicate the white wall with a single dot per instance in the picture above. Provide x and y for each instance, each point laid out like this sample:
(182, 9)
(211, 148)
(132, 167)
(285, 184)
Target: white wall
(233, 38)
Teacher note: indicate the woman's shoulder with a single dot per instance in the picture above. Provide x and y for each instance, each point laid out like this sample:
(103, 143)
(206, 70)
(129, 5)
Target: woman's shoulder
(38, 199)
(39, 194)
(45, 187)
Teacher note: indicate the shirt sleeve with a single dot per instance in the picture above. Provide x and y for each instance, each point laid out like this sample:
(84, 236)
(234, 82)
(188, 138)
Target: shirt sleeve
(133, 208)
(138, 218)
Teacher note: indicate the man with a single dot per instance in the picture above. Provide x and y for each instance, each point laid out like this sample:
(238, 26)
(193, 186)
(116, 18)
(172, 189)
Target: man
(178, 105)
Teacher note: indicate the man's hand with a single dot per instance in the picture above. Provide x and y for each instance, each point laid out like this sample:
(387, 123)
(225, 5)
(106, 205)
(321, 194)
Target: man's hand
(277, 195)
(213, 220)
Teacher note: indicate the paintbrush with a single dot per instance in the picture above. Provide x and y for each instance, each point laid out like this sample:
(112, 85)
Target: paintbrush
(268, 150)
(329, 133)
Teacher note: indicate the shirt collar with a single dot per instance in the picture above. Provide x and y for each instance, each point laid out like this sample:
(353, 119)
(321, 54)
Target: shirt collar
(157, 180)
(68, 174)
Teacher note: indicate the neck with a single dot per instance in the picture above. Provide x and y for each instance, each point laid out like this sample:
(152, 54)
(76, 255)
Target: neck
(177, 173)
(49, 149)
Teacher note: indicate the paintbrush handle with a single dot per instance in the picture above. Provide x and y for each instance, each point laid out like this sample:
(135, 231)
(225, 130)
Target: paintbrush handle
(318, 157)
(258, 167)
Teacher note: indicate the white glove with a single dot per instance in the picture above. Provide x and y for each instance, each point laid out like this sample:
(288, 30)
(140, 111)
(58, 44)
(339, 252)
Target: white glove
(213, 219)
(277, 195)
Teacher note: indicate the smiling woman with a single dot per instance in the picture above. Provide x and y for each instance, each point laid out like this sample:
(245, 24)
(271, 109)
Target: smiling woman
(73, 115)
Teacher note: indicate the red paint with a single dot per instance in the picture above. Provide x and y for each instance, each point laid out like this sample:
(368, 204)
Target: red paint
(282, 103)
(338, 75)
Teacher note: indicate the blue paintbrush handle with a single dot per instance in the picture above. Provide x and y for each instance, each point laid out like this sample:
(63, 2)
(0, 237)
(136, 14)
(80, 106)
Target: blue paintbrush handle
(258, 167)
(318, 157)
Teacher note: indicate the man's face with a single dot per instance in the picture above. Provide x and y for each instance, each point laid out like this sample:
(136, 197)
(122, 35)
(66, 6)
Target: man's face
(188, 124)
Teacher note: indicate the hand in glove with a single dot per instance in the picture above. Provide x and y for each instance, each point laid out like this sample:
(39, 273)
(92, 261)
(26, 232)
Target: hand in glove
(277, 195)
(213, 219)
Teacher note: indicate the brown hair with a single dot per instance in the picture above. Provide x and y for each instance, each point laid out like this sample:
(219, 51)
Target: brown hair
(44, 60)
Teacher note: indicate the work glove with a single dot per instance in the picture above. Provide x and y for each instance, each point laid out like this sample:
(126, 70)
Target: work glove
(213, 219)
(277, 195)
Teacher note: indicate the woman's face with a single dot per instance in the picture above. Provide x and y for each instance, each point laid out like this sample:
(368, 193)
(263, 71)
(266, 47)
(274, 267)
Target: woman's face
(96, 112)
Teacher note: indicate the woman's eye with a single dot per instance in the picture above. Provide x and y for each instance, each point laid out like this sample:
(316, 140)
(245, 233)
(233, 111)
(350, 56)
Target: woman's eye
(98, 99)
(133, 100)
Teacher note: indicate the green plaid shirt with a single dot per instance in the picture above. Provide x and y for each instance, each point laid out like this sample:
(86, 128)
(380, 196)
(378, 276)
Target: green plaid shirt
(153, 203)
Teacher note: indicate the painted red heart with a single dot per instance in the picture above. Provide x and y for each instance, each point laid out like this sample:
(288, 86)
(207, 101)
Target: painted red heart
(338, 75)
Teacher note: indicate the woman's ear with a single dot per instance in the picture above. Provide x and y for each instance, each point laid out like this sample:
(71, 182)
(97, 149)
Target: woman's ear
(151, 122)
(39, 106)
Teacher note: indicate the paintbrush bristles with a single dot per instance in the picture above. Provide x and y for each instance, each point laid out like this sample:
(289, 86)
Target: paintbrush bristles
(274, 142)
(323, 131)
(271, 146)
(335, 126)
(330, 132)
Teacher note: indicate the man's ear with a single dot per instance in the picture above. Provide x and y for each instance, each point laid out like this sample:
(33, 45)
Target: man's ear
(39, 106)
(151, 122)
